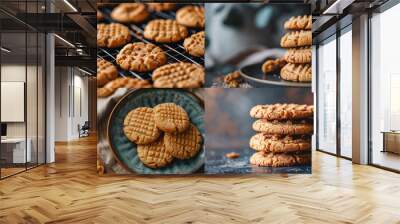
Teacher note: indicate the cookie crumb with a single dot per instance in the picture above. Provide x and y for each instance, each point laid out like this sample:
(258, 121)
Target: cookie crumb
(272, 65)
(232, 155)
(233, 79)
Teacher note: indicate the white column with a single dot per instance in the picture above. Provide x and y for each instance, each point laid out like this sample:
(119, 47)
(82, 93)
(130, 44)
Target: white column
(50, 98)
(360, 90)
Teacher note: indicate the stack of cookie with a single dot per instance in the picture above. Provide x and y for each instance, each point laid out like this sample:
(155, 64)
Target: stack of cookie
(298, 42)
(162, 133)
(284, 137)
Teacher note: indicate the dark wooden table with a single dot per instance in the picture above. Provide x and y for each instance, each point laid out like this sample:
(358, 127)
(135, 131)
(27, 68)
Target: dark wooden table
(217, 163)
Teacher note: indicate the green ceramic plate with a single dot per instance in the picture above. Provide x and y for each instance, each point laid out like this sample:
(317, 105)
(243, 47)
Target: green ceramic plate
(125, 151)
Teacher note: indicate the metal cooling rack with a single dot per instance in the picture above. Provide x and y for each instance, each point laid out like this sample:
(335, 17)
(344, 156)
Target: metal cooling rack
(175, 51)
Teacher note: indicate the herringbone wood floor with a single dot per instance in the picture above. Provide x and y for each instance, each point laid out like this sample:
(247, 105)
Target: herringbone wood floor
(70, 191)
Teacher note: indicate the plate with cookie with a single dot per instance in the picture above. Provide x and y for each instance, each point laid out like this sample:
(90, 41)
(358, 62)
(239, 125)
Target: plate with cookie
(294, 68)
(158, 131)
(257, 75)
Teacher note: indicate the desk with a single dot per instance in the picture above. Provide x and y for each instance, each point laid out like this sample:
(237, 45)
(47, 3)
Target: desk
(391, 141)
(13, 150)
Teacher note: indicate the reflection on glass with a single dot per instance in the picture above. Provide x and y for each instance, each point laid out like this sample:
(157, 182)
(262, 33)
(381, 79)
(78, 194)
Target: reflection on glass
(327, 96)
(31, 99)
(41, 99)
(346, 94)
(14, 153)
(385, 82)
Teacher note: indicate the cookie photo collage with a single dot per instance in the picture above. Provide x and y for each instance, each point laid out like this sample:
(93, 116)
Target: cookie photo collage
(204, 88)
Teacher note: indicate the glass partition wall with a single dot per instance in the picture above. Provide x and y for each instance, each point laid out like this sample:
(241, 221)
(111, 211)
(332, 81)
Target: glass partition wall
(22, 77)
(385, 89)
(334, 94)
(326, 140)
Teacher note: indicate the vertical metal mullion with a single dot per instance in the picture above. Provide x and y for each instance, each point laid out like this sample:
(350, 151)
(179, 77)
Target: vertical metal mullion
(73, 92)
(338, 100)
(0, 93)
(26, 86)
(45, 90)
(37, 90)
(45, 95)
(316, 97)
(369, 78)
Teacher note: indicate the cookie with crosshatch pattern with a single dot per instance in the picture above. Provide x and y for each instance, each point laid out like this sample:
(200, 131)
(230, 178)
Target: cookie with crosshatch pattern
(297, 39)
(112, 35)
(280, 143)
(106, 72)
(191, 16)
(183, 145)
(300, 127)
(297, 72)
(171, 118)
(299, 23)
(140, 126)
(122, 82)
(279, 159)
(154, 155)
(130, 13)
(161, 6)
(165, 31)
(298, 55)
(282, 111)
(194, 44)
(179, 75)
(141, 57)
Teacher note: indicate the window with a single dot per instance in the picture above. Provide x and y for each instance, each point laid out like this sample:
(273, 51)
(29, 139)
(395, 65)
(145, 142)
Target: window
(346, 73)
(385, 89)
(327, 96)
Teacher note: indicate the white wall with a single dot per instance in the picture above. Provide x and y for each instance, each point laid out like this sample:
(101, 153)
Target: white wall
(69, 82)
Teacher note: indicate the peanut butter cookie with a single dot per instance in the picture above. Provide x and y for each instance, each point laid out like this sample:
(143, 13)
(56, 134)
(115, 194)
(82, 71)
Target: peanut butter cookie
(99, 15)
(165, 31)
(195, 45)
(279, 160)
(106, 72)
(191, 16)
(178, 75)
(273, 65)
(141, 57)
(283, 128)
(140, 126)
(154, 155)
(122, 82)
(282, 111)
(299, 23)
(130, 13)
(280, 143)
(297, 72)
(296, 39)
(112, 35)
(160, 7)
(233, 79)
(171, 118)
(183, 145)
(298, 55)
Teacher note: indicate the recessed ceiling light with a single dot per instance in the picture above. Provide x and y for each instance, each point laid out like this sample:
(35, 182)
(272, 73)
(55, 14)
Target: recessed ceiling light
(84, 71)
(5, 50)
(64, 40)
(70, 5)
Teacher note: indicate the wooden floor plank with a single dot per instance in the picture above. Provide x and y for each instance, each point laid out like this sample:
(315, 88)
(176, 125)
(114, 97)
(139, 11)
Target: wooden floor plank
(69, 191)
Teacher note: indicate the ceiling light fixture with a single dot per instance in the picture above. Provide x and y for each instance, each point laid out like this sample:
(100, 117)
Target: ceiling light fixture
(5, 50)
(84, 71)
(70, 5)
(64, 40)
(338, 6)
